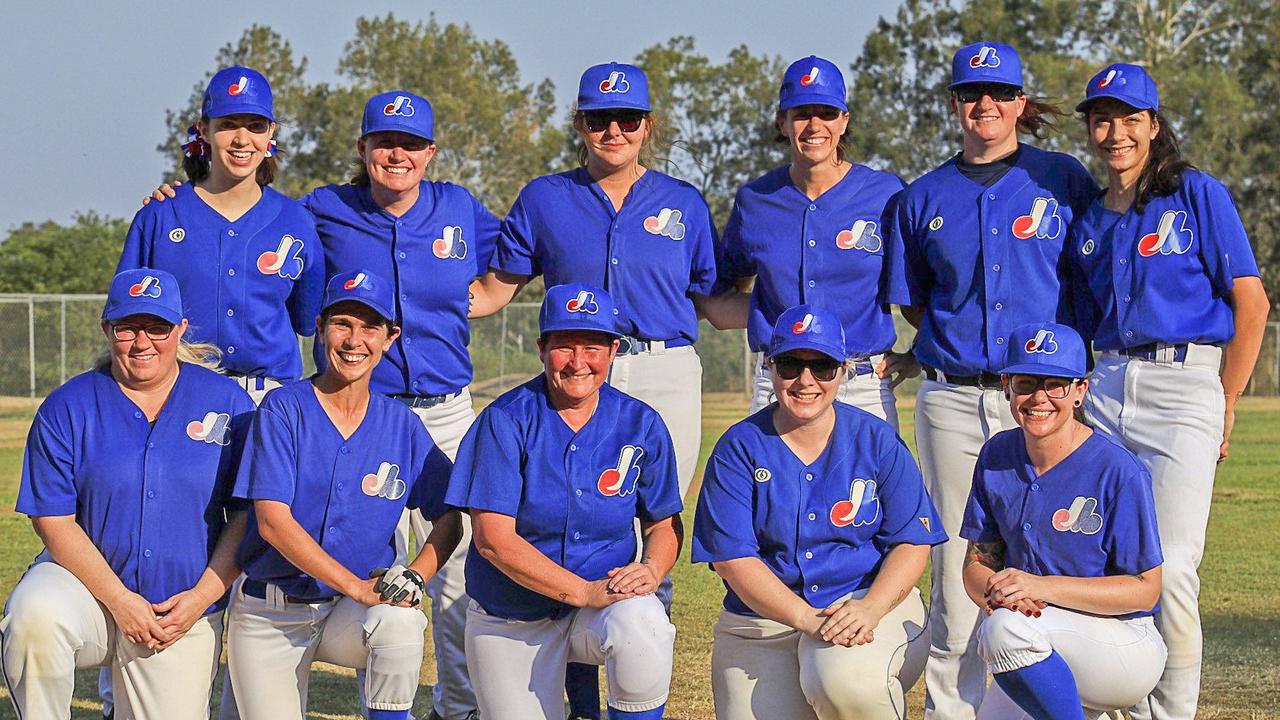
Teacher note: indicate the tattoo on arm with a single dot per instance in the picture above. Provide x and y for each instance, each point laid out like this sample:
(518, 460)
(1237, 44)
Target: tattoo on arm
(988, 554)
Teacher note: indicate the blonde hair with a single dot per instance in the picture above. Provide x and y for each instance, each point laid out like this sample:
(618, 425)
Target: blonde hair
(206, 355)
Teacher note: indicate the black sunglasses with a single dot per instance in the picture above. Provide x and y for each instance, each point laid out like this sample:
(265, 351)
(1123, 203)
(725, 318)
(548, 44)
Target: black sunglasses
(599, 120)
(789, 367)
(1055, 387)
(826, 113)
(998, 92)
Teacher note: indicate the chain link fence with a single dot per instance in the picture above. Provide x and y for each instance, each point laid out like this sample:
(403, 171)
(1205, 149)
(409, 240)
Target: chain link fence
(46, 339)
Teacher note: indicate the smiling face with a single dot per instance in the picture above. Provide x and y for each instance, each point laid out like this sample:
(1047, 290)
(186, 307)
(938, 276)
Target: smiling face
(1121, 136)
(141, 360)
(395, 160)
(1040, 415)
(990, 115)
(813, 132)
(355, 339)
(576, 363)
(804, 398)
(612, 149)
(238, 144)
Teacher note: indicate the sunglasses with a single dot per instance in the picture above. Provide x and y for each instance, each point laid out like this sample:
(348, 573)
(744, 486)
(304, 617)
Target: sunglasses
(599, 121)
(1055, 387)
(155, 331)
(825, 113)
(998, 92)
(823, 369)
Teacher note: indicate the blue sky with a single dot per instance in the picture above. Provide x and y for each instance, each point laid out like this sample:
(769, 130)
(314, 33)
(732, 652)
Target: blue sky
(87, 83)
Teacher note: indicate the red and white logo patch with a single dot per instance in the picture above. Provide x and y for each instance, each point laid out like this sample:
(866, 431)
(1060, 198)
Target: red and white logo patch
(621, 480)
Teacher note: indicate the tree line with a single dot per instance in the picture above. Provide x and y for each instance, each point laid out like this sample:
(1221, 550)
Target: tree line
(1217, 63)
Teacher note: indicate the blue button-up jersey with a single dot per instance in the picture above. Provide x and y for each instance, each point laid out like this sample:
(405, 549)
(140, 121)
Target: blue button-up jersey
(828, 252)
(1163, 274)
(348, 494)
(823, 528)
(574, 495)
(1091, 515)
(652, 256)
(981, 261)
(248, 285)
(152, 499)
(431, 253)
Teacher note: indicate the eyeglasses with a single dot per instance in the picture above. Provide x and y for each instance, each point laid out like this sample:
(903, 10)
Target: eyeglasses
(789, 367)
(804, 113)
(156, 331)
(1055, 387)
(998, 92)
(599, 121)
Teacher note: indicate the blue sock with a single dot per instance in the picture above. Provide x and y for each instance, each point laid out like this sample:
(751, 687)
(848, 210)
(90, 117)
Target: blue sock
(1045, 690)
(582, 684)
(387, 714)
(654, 714)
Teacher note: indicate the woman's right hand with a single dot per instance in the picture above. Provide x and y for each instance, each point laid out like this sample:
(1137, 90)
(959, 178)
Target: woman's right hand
(598, 595)
(362, 592)
(161, 193)
(137, 621)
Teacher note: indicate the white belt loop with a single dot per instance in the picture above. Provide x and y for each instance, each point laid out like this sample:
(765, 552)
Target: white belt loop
(1208, 357)
(657, 347)
(1165, 354)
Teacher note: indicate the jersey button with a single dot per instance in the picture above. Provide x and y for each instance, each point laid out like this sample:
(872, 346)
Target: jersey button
(613, 260)
(1035, 487)
(615, 311)
(231, 233)
(333, 529)
(999, 306)
(808, 555)
(577, 535)
(231, 348)
(812, 516)
(344, 450)
(137, 413)
(1123, 261)
(402, 256)
(812, 243)
(339, 486)
(1126, 298)
(995, 231)
(812, 283)
(812, 208)
(1026, 527)
(232, 272)
(808, 476)
(150, 445)
(578, 493)
(999, 341)
(404, 296)
(146, 553)
(813, 588)
(151, 494)
(995, 268)
(1128, 333)
(230, 312)
(992, 196)
(408, 341)
(573, 447)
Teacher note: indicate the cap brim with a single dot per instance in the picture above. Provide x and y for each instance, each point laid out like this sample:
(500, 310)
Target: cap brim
(258, 110)
(983, 81)
(386, 313)
(1129, 100)
(1041, 370)
(399, 128)
(141, 307)
(612, 104)
(577, 327)
(829, 350)
(812, 99)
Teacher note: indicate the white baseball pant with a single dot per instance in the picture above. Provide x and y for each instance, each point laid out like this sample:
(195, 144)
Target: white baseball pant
(764, 669)
(1170, 415)
(952, 423)
(53, 626)
(271, 644)
(866, 392)
(518, 667)
(1115, 662)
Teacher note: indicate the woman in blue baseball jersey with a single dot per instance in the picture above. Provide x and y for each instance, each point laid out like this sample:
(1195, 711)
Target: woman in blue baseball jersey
(1169, 291)
(982, 240)
(127, 478)
(1064, 555)
(814, 514)
(248, 258)
(329, 467)
(554, 473)
(812, 232)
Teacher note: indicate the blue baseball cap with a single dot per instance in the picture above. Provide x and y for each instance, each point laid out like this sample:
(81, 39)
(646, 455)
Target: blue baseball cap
(364, 287)
(398, 111)
(237, 90)
(1047, 349)
(613, 85)
(144, 291)
(1129, 84)
(986, 62)
(575, 306)
(812, 81)
(808, 327)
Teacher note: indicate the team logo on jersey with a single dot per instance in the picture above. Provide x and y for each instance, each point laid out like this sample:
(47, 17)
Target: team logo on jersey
(212, 429)
(1043, 342)
(803, 326)
(862, 507)
(1088, 247)
(239, 87)
(986, 57)
(615, 83)
(285, 260)
(385, 483)
(450, 244)
(936, 223)
(763, 475)
(1043, 221)
(621, 480)
(1172, 236)
(667, 222)
(401, 106)
(1112, 74)
(810, 78)
(1079, 518)
(583, 302)
(354, 282)
(177, 235)
(149, 287)
(862, 236)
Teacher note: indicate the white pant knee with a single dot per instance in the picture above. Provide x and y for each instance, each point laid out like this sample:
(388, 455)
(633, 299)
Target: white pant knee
(393, 636)
(1009, 640)
(638, 645)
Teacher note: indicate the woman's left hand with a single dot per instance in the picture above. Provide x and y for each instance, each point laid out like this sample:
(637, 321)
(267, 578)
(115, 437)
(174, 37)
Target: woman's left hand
(898, 367)
(635, 578)
(179, 612)
(1011, 585)
(1228, 423)
(849, 623)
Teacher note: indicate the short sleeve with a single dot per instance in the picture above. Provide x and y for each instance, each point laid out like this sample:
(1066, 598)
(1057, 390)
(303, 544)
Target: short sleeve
(893, 281)
(242, 412)
(724, 524)
(48, 477)
(1131, 538)
(488, 474)
(908, 269)
(1224, 244)
(305, 299)
(137, 242)
(908, 513)
(658, 489)
(268, 467)
(732, 263)
(431, 481)
(979, 525)
(702, 264)
(516, 252)
(488, 229)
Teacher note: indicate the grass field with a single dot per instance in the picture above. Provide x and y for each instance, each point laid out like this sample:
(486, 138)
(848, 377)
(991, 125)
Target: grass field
(1240, 601)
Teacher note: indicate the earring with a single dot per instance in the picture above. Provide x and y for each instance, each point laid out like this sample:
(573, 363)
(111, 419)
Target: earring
(1078, 403)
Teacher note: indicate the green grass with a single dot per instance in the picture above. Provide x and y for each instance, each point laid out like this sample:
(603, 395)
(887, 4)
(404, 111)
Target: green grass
(1240, 595)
